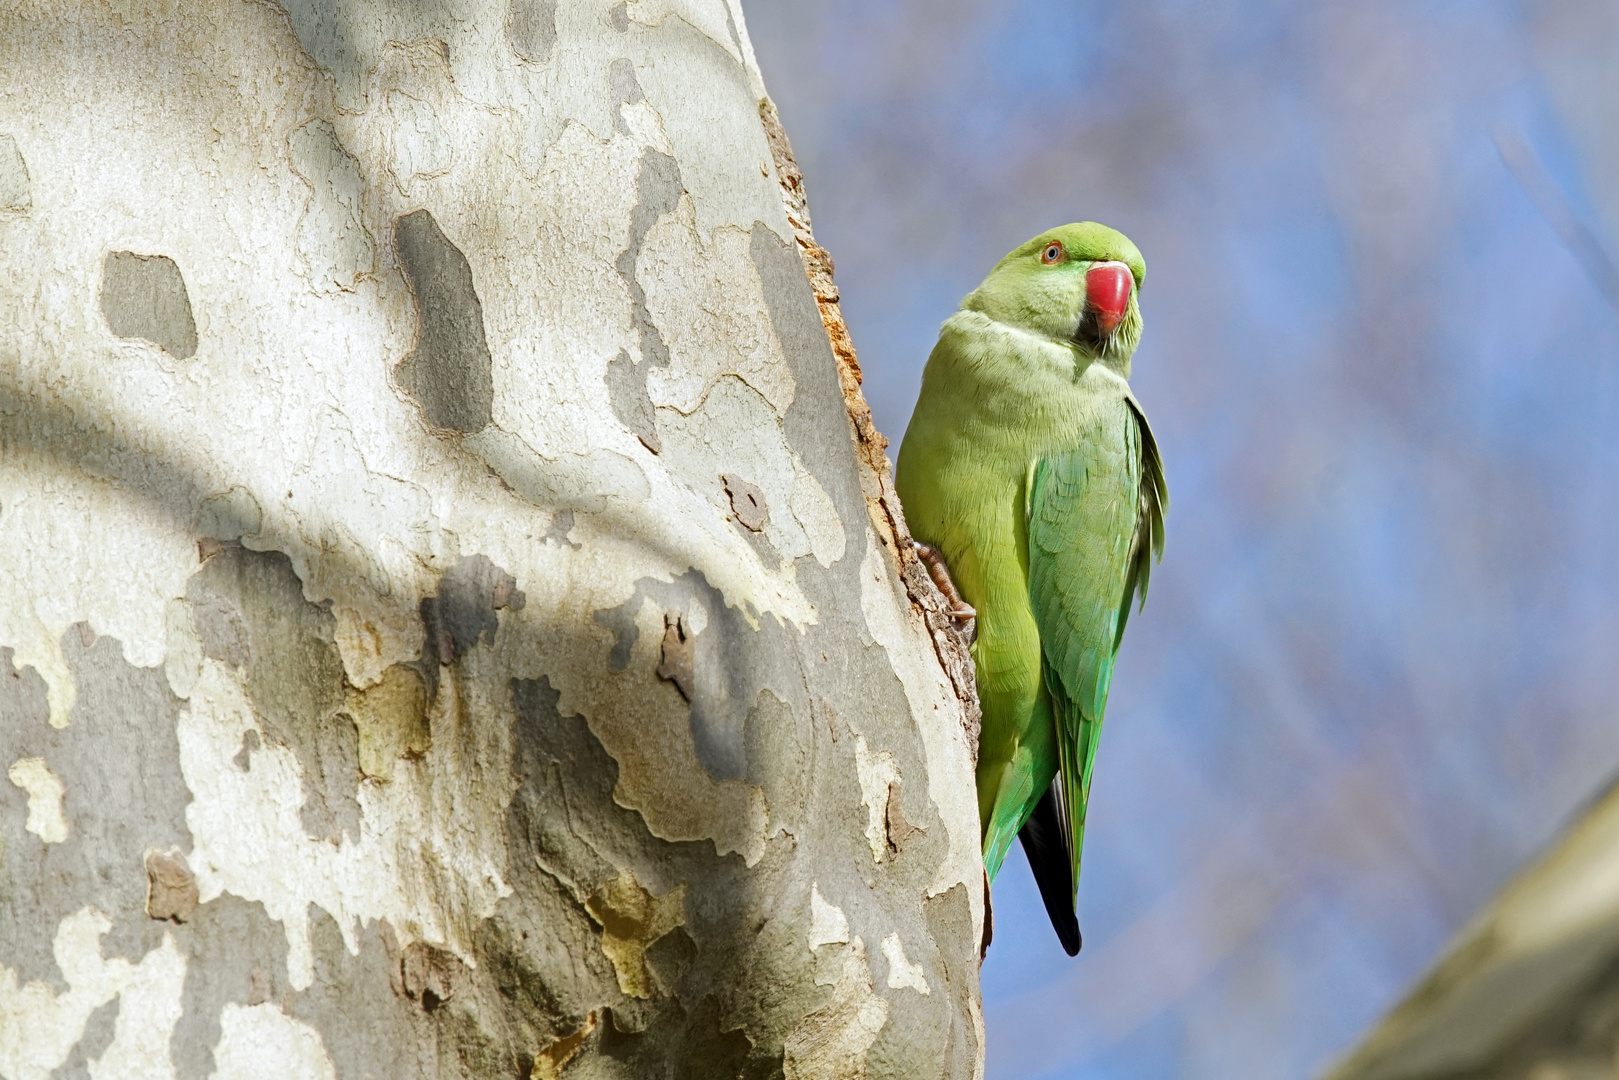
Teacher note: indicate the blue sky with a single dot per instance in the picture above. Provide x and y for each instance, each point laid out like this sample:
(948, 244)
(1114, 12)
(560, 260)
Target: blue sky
(1376, 671)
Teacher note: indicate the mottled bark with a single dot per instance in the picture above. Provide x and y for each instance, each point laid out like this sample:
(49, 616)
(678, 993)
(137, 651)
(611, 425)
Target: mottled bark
(455, 619)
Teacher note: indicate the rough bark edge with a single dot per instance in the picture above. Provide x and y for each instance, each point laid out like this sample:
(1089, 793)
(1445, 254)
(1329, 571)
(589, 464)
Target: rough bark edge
(876, 474)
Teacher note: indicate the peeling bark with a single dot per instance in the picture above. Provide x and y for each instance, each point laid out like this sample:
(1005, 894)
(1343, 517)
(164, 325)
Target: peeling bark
(951, 641)
(456, 620)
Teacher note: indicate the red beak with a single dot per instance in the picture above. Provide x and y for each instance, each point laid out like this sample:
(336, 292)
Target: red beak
(1107, 294)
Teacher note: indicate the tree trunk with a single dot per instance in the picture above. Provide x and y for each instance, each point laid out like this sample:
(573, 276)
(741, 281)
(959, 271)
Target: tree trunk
(454, 615)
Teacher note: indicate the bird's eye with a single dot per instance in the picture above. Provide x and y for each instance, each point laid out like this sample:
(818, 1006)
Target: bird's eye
(1052, 253)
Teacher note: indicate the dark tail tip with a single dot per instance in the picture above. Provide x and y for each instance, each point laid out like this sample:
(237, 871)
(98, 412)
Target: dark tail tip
(1048, 858)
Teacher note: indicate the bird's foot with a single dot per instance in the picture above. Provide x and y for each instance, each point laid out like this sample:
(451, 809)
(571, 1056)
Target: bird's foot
(940, 573)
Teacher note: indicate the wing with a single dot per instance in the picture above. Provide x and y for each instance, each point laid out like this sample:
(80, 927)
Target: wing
(1096, 524)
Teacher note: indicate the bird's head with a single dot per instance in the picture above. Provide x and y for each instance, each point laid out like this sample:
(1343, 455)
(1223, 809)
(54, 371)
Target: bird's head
(1077, 284)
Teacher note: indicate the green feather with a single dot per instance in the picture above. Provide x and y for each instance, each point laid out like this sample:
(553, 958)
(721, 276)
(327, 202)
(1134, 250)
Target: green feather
(1030, 467)
(1095, 519)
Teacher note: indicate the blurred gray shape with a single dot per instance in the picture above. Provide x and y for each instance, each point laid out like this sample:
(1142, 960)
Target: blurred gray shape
(1577, 46)
(1580, 239)
(1530, 987)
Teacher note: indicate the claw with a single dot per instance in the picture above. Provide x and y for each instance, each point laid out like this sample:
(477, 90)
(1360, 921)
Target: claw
(940, 573)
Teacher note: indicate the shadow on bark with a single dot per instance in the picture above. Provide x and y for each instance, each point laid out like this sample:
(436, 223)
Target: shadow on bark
(616, 950)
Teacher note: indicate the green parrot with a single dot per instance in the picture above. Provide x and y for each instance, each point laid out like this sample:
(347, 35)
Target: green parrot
(1032, 485)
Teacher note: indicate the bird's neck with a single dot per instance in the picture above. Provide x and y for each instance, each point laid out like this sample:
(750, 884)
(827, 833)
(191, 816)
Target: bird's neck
(1083, 356)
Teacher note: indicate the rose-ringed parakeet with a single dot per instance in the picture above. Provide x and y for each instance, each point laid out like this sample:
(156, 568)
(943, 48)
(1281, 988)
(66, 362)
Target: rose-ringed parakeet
(1028, 470)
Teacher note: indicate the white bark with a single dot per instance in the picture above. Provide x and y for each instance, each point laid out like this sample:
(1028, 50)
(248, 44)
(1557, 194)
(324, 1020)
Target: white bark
(449, 624)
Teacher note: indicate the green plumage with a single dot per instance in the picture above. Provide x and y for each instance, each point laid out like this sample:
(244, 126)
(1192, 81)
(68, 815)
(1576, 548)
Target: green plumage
(1029, 466)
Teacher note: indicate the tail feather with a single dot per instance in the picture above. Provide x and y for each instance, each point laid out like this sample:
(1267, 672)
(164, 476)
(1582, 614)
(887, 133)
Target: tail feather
(1046, 844)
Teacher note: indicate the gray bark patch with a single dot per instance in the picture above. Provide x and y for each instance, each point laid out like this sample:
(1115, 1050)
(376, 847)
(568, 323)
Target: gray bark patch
(626, 88)
(244, 757)
(450, 374)
(98, 1034)
(143, 297)
(237, 954)
(565, 835)
(895, 825)
(23, 700)
(621, 621)
(949, 920)
(234, 953)
(531, 27)
(778, 741)
(119, 763)
(658, 190)
(818, 406)
(561, 526)
(469, 595)
(719, 671)
(626, 392)
(15, 191)
(250, 612)
(431, 976)
(558, 763)
(367, 1026)
(568, 837)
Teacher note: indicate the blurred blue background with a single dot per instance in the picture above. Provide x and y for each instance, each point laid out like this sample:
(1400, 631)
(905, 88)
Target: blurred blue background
(1377, 669)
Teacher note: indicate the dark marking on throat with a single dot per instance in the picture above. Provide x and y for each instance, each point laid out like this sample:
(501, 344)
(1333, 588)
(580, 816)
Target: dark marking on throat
(1089, 334)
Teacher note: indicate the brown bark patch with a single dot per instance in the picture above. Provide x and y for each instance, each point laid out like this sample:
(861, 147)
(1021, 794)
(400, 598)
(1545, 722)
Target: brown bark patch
(390, 719)
(747, 502)
(171, 887)
(632, 919)
(430, 975)
(678, 663)
(548, 1063)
